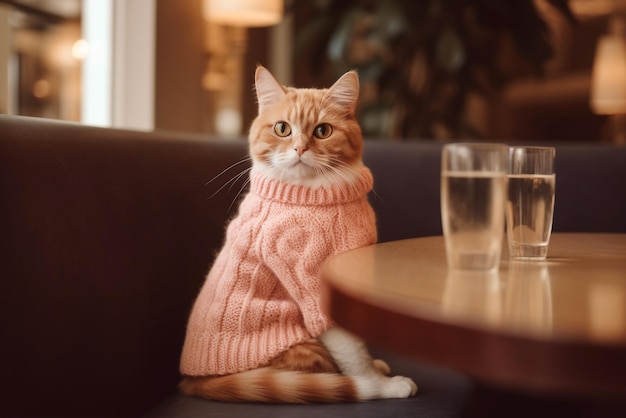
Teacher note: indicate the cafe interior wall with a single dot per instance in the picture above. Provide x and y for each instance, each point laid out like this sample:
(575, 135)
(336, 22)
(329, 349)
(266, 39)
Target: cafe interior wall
(556, 106)
(553, 105)
(39, 62)
(204, 72)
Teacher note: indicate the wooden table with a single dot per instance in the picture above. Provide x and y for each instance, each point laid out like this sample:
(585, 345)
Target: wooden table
(556, 326)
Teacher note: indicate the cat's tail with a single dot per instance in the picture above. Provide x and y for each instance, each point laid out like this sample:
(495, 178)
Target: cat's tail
(270, 385)
(282, 386)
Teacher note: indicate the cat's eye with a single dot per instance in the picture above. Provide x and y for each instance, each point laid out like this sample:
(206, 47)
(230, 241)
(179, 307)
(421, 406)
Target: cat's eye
(282, 129)
(323, 131)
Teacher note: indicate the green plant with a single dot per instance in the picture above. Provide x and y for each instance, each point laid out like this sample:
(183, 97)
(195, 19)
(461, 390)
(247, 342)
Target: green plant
(423, 59)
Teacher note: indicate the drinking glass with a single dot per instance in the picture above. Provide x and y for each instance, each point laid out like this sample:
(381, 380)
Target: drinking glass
(530, 203)
(473, 196)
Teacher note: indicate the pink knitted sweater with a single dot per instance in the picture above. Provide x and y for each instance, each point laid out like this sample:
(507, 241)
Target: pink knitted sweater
(262, 295)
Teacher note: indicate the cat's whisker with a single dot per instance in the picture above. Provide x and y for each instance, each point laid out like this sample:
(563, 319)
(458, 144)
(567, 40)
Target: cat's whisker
(337, 167)
(235, 179)
(345, 165)
(243, 160)
(378, 198)
(241, 189)
(232, 180)
(281, 173)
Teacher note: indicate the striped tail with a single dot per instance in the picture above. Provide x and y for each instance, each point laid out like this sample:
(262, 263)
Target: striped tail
(272, 385)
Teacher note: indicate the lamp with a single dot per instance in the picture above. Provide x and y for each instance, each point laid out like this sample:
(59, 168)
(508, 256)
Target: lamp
(608, 83)
(250, 13)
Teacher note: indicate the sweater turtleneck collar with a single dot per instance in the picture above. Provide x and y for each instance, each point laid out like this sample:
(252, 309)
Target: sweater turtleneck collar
(303, 195)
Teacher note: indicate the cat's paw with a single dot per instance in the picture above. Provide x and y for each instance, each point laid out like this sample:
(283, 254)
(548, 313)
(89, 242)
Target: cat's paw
(398, 387)
(381, 366)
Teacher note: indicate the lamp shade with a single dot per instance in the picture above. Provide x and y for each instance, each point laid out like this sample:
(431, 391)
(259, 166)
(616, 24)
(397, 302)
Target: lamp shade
(608, 84)
(250, 13)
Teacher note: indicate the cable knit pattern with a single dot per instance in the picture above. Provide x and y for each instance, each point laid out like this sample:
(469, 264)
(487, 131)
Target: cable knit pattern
(262, 295)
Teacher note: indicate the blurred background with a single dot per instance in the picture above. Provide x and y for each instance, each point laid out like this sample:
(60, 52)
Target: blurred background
(527, 70)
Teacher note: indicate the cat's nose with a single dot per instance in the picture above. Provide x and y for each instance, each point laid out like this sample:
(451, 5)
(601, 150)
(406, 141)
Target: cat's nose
(300, 150)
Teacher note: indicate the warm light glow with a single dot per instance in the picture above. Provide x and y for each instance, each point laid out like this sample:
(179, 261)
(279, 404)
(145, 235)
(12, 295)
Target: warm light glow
(80, 49)
(228, 122)
(251, 13)
(42, 89)
(608, 85)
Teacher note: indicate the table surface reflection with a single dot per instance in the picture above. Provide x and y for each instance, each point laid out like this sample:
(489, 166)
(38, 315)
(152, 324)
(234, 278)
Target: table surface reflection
(553, 325)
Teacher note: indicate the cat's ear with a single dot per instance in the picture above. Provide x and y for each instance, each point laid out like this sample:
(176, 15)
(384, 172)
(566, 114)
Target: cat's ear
(345, 91)
(268, 90)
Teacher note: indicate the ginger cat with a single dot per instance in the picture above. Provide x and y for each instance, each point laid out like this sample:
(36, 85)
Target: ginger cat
(257, 331)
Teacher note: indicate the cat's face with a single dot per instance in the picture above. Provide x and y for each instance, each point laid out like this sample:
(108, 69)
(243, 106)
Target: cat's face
(306, 136)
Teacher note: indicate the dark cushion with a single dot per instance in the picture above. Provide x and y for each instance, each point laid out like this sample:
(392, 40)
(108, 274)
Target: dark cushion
(442, 393)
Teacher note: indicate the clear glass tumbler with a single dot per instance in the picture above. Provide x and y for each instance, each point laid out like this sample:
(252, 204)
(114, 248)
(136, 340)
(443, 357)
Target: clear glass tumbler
(473, 196)
(530, 202)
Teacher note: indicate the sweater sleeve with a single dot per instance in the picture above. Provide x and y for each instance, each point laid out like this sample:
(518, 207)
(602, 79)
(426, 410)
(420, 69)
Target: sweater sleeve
(295, 252)
(295, 246)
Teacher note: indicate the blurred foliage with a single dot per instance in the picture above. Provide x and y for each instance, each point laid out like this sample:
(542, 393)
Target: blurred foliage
(424, 58)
